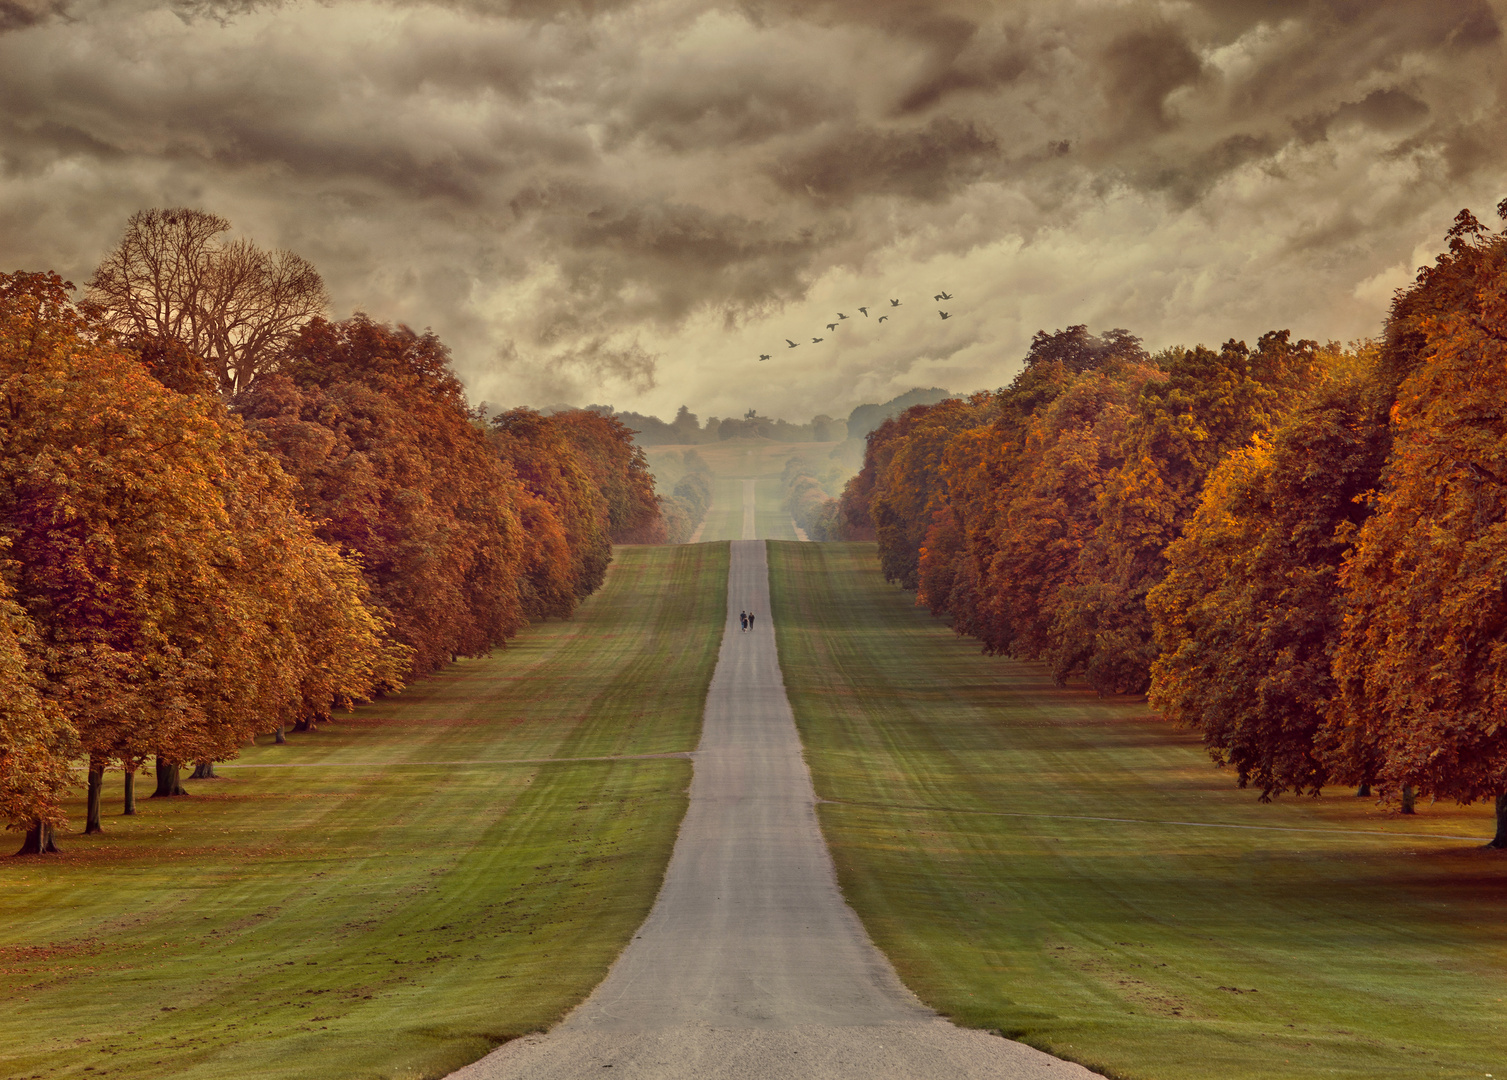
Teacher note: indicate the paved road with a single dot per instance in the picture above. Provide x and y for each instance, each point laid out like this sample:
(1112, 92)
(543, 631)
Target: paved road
(750, 514)
(751, 966)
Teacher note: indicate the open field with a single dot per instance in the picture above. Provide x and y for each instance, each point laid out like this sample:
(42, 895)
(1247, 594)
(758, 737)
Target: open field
(731, 462)
(1077, 875)
(393, 895)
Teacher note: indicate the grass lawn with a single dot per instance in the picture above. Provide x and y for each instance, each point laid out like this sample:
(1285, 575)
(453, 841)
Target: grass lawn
(393, 895)
(724, 521)
(731, 462)
(1077, 875)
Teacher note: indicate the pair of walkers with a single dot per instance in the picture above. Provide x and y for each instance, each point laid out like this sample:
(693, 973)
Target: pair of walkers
(745, 619)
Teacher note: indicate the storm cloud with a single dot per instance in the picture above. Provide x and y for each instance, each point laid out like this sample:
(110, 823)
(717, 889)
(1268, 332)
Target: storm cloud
(631, 201)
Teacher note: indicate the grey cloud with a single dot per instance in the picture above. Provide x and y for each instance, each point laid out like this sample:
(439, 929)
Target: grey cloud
(1144, 67)
(18, 14)
(929, 163)
(566, 190)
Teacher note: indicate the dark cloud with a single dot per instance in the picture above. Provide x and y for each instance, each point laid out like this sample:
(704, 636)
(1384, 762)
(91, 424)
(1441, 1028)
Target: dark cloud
(928, 164)
(1143, 68)
(19, 14)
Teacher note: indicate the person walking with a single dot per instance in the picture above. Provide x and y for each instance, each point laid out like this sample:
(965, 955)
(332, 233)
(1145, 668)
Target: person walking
(743, 619)
(750, 620)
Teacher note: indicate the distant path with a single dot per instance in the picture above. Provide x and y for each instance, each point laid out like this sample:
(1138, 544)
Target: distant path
(751, 966)
(750, 518)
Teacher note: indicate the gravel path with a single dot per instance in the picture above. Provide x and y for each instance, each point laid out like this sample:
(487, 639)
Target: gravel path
(751, 966)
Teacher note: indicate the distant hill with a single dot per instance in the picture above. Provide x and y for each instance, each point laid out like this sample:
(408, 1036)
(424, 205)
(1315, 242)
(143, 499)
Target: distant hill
(866, 418)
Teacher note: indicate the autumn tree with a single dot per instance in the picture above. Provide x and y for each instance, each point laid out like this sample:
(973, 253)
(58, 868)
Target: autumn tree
(237, 306)
(1248, 616)
(620, 472)
(1422, 662)
(548, 464)
(1181, 428)
(36, 742)
(159, 554)
(1049, 508)
(393, 467)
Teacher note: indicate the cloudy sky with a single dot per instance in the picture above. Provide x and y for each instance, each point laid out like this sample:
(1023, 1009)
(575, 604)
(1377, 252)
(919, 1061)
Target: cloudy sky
(629, 201)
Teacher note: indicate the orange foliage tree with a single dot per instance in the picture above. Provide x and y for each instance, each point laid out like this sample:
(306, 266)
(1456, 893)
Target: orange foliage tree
(545, 459)
(159, 554)
(1249, 613)
(1422, 661)
(393, 467)
(620, 471)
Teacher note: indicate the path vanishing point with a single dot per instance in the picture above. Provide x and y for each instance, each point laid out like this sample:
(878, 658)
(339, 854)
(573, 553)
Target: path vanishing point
(751, 966)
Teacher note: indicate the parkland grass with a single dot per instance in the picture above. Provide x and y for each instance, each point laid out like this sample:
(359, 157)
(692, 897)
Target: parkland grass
(391, 896)
(1076, 874)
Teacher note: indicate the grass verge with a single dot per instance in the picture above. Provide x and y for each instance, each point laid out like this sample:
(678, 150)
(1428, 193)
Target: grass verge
(393, 895)
(1077, 875)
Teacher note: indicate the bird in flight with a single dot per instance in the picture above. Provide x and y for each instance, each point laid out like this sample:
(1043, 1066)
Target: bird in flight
(790, 343)
(883, 317)
(816, 339)
(865, 312)
(944, 295)
(894, 303)
(763, 357)
(831, 326)
(944, 314)
(841, 316)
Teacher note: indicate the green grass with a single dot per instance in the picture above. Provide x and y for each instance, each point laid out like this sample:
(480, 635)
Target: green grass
(724, 521)
(377, 914)
(733, 461)
(963, 790)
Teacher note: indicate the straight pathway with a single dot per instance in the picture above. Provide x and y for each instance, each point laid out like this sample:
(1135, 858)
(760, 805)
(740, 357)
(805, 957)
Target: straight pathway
(751, 966)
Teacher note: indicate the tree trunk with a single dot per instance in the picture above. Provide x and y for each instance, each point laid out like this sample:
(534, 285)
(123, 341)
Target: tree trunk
(204, 770)
(304, 724)
(1500, 841)
(96, 788)
(1407, 799)
(39, 840)
(168, 783)
(1363, 792)
(280, 737)
(130, 808)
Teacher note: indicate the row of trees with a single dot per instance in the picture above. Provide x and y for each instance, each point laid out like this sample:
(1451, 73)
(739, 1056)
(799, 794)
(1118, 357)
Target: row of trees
(685, 508)
(1298, 549)
(212, 528)
(803, 488)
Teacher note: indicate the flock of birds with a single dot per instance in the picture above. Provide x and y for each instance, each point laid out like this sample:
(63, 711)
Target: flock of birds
(831, 326)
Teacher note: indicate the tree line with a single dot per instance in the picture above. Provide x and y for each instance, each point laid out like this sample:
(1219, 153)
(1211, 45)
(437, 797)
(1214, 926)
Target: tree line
(1297, 549)
(223, 514)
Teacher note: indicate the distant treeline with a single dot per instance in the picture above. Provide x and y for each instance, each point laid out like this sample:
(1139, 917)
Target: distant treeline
(687, 429)
(1298, 549)
(222, 514)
